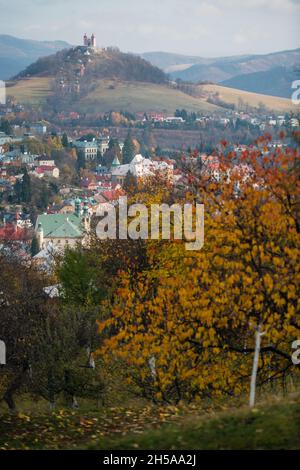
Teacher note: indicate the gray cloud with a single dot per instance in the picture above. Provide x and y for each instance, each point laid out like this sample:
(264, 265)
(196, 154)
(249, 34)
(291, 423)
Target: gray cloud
(203, 27)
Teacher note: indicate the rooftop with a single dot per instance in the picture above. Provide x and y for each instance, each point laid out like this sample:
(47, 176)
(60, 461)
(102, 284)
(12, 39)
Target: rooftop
(60, 225)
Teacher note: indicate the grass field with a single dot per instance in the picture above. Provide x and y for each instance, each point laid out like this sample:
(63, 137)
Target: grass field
(138, 96)
(32, 91)
(232, 95)
(114, 95)
(272, 425)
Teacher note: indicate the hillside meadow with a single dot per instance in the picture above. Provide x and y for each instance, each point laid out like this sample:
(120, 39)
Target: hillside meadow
(140, 96)
(238, 97)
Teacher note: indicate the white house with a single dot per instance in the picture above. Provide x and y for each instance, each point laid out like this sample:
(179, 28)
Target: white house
(141, 167)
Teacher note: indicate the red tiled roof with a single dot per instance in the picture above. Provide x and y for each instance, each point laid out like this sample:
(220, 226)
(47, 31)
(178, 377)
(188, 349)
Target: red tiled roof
(46, 167)
(12, 232)
(112, 195)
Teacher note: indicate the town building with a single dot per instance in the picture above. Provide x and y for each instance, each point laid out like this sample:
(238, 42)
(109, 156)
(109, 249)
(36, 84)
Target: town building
(45, 161)
(45, 170)
(87, 149)
(38, 128)
(141, 167)
(62, 230)
(103, 144)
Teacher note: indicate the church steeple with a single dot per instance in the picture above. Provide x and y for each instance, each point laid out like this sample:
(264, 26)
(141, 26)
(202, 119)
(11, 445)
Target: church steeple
(77, 207)
(86, 216)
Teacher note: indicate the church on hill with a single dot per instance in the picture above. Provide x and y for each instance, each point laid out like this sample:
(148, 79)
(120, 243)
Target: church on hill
(89, 42)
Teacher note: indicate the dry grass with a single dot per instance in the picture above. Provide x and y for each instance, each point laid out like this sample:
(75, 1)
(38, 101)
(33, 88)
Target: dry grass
(232, 95)
(139, 96)
(30, 91)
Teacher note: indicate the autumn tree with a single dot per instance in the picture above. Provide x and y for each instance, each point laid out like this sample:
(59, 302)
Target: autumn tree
(184, 323)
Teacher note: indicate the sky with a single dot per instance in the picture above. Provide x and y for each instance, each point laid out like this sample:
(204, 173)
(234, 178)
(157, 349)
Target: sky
(207, 28)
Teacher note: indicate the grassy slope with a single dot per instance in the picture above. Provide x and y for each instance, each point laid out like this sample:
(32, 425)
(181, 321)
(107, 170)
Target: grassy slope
(138, 96)
(232, 95)
(270, 426)
(30, 91)
(129, 96)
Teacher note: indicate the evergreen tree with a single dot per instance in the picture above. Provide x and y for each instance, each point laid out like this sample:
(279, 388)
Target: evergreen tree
(18, 191)
(112, 152)
(112, 143)
(128, 149)
(26, 187)
(64, 140)
(34, 247)
(44, 201)
(81, 164)
(158, 151)
(6, 127)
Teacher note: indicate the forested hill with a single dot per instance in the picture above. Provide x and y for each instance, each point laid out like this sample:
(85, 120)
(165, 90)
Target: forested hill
(94, 64)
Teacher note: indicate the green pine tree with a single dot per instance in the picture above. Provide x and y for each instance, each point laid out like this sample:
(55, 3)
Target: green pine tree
(81, 163)
(18, 191)
(26, 188)
(6, 127)
(65, 141)
(34, 247)
(128, 149)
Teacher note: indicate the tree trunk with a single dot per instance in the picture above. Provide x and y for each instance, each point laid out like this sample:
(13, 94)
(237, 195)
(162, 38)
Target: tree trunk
(258, 336)
(9, 399)
(13, 387)
(74, 402)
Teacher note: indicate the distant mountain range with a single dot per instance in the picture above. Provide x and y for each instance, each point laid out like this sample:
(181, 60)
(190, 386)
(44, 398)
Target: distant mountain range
(276, 81)
(16, 54)
(270, 74)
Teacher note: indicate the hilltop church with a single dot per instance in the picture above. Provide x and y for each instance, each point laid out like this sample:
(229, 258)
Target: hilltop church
(89, 42)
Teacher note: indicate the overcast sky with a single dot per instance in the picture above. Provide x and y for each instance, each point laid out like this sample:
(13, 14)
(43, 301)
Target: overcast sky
(199, 27)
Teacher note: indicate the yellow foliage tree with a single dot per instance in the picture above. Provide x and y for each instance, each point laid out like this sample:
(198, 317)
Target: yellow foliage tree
(184, 322)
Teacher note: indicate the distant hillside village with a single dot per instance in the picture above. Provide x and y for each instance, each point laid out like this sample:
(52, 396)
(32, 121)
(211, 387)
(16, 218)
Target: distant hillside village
(45, 209)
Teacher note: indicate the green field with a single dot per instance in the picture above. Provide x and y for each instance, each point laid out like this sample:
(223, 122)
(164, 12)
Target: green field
(272, 425)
